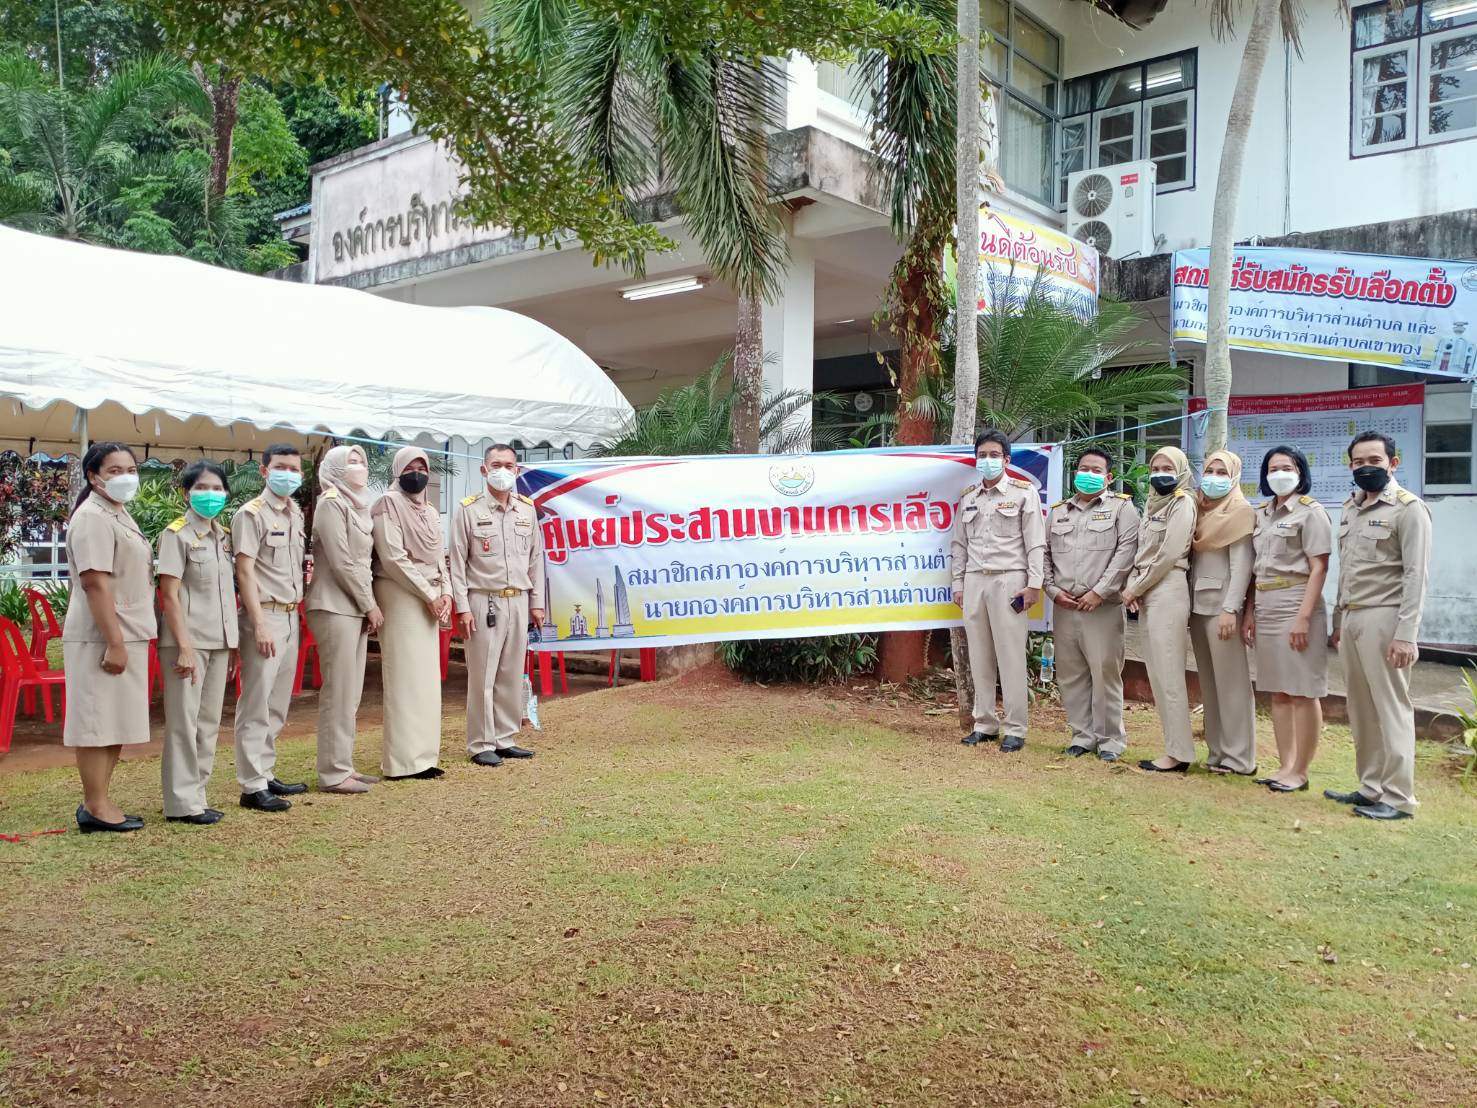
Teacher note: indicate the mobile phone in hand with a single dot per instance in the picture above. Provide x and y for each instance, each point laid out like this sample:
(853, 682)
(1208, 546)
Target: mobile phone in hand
(1018, 603)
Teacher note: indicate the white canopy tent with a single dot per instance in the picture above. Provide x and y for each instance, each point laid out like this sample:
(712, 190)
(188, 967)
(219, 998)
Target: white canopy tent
(183, 359)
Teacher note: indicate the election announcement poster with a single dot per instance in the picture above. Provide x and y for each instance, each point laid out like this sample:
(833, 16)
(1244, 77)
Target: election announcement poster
(644, 552)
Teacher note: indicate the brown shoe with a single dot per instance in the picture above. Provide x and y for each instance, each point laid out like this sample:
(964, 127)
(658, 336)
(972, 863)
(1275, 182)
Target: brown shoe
(349, 786)
(365, 778)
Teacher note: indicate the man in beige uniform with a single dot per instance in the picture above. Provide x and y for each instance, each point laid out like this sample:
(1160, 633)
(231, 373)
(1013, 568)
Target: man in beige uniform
(998, 553)
(267, 534)
(1091, 539)
(1384, 551)
(497, 564)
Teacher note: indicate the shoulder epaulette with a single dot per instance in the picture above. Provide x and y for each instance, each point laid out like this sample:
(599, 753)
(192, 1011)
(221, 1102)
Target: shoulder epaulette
(253, 506)
(467, 500)
(1305, 500)
(525, 499)
(1405, 496)
(1057, 505)
(1123, 496)
(1018, 483)
(967, 491)
(1179, 492)
(177, 525)
(330, 493)
(1266, 504)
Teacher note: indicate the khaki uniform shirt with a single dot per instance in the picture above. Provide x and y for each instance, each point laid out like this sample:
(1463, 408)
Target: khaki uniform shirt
(1384, 554)
(343, 556)
(273, 536)
(999, 530)
(104, 537)
(198, 552)
(495, 547)
(1091, 548)
(1164, 543)
(1286, 537)
(1218, 578)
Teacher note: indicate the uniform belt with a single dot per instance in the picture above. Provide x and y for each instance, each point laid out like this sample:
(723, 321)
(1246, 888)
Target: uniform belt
(501, 592)
(1280, 583)
(277, 606)
(997, 572)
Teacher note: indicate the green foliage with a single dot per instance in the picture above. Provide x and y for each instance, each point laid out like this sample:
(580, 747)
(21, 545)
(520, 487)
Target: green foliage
(263, 144)
(159, 502)
(697, 419)
(1468, 740)
(33, 497)
(13, 604)
(58, 594)
(824, 660)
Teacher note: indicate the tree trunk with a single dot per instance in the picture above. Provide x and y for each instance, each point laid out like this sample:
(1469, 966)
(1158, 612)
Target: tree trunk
(225, 93)
(966, 353)
(918, 348)
(748, 373)
(1264, 21)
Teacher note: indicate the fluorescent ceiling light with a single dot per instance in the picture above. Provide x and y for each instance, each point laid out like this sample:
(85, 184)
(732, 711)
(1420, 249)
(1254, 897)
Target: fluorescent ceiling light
(1450, 11)
(1157, 82)
(841, 321)
(662, 288)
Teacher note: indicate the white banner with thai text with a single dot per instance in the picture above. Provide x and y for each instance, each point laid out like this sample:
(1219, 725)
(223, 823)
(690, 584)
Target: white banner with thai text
(662, 551)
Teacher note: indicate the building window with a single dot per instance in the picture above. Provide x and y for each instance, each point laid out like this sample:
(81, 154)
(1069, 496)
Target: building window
(847, 84)
(1449, 456)
(1023, 65)
(1139, 112)
(1414, 75)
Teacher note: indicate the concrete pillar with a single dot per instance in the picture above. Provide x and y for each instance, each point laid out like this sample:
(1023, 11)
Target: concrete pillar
(789, 330)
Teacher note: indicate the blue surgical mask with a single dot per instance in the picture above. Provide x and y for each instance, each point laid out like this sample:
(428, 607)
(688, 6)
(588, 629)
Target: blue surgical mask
(1215, 486)
(990, 468)
(284, 482)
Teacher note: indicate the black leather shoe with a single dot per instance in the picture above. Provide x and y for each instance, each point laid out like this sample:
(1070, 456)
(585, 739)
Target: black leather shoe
(1011, 743)
(277, 788)
(428, 774)
(1106, 756)
(486, 758)
(1075, 751)
(1380, 811)
(1178, 767)
(88, 823)
(515, 752)
(1262, 781)
(202, 819)
(1279, 787)
(264, 801)
(1356, 798)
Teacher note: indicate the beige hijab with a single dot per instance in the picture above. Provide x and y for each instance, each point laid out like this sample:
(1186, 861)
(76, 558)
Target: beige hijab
(420, 522)
(1158, 501)
(1228, 520)
(331, 471)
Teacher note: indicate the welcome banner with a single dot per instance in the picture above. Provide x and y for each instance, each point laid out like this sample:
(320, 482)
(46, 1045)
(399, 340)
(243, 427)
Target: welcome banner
(662, 551)
(1015, 253)
(1417, 314)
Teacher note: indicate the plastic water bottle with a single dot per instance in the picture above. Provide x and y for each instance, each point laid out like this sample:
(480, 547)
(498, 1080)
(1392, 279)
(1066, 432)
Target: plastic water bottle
(530, 703)
(1048, 660)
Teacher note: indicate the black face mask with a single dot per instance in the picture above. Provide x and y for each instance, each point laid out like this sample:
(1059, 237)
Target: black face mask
(413, 482)
(1372, 478)
(1164, 482)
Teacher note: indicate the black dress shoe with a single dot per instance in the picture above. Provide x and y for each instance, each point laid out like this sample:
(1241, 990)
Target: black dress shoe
(1380, 811)
(1262, 781)
(277, 788)
(88, 823)
(1106, 756)
(972, 739)
(515, 752)
(1075, 751)
(486, 758)
(1011, 743)
(1279, 787)
(264, 801)
(202, 819)
(1178, 767)
(424, 775)
(1356, 798)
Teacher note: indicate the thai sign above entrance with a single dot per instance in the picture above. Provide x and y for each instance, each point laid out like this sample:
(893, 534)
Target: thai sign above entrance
(390, 206)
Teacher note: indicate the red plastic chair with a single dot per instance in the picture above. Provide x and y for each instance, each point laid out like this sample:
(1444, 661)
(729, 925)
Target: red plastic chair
(446, 635)
(306, 645)
(18, 671)
(44, 628)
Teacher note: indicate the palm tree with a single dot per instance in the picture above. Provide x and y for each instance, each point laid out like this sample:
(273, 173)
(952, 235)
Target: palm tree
(698, 419)
(1265, 15)
(69, 151)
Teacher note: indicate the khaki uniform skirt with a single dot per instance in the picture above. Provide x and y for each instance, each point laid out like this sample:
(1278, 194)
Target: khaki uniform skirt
(105, 709)
(1280, 668)
(410, 669)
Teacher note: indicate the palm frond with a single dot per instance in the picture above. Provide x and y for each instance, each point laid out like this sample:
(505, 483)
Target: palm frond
(531, 27)
(148, 85)
(603, 100)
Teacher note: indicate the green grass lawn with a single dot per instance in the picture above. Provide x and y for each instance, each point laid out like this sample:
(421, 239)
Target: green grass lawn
(701, 894)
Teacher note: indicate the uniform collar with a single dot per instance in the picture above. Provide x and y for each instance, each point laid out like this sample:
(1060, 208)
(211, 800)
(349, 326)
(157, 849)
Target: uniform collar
(1097, 501)
(107, 505)
(1387, 495)
(196, 522)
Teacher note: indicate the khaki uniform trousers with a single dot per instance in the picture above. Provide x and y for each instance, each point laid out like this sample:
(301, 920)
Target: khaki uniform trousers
(1164, 614)
(192, 724)
(1381, 716)
(1089, 670)
(495, 657)
(996, 634)
(266, 694)
(342, 645)
(1224, 668)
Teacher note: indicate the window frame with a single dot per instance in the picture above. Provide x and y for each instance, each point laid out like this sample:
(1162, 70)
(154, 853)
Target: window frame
(1002, 88)
(1418, 99)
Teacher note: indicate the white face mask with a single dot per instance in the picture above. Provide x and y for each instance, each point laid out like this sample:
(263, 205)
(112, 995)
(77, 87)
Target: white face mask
(502, 480)
(356, 476)
(1282, 481)
(122, 488)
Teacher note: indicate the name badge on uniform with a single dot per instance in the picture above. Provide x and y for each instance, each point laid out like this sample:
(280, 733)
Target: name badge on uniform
(1160, 518)
(278, 534)
(1382, 524)
(1285, 525)
(971, 510)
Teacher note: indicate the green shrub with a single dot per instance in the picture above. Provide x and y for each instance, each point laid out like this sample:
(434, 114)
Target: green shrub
(827, 659)
(13, 604)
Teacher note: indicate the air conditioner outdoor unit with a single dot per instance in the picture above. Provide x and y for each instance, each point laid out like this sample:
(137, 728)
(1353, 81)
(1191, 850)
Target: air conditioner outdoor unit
(1113, 208)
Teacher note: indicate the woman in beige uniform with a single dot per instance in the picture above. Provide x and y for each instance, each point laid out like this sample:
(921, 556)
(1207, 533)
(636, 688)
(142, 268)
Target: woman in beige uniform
(105, 641)
(410, 583)
(197, 591)
(1158, 591)
(342, 611)
(1287, 622)
(1220, 567)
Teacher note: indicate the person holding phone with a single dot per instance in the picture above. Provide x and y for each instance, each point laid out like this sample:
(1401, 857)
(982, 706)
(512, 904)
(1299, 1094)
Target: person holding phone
(998, 563)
